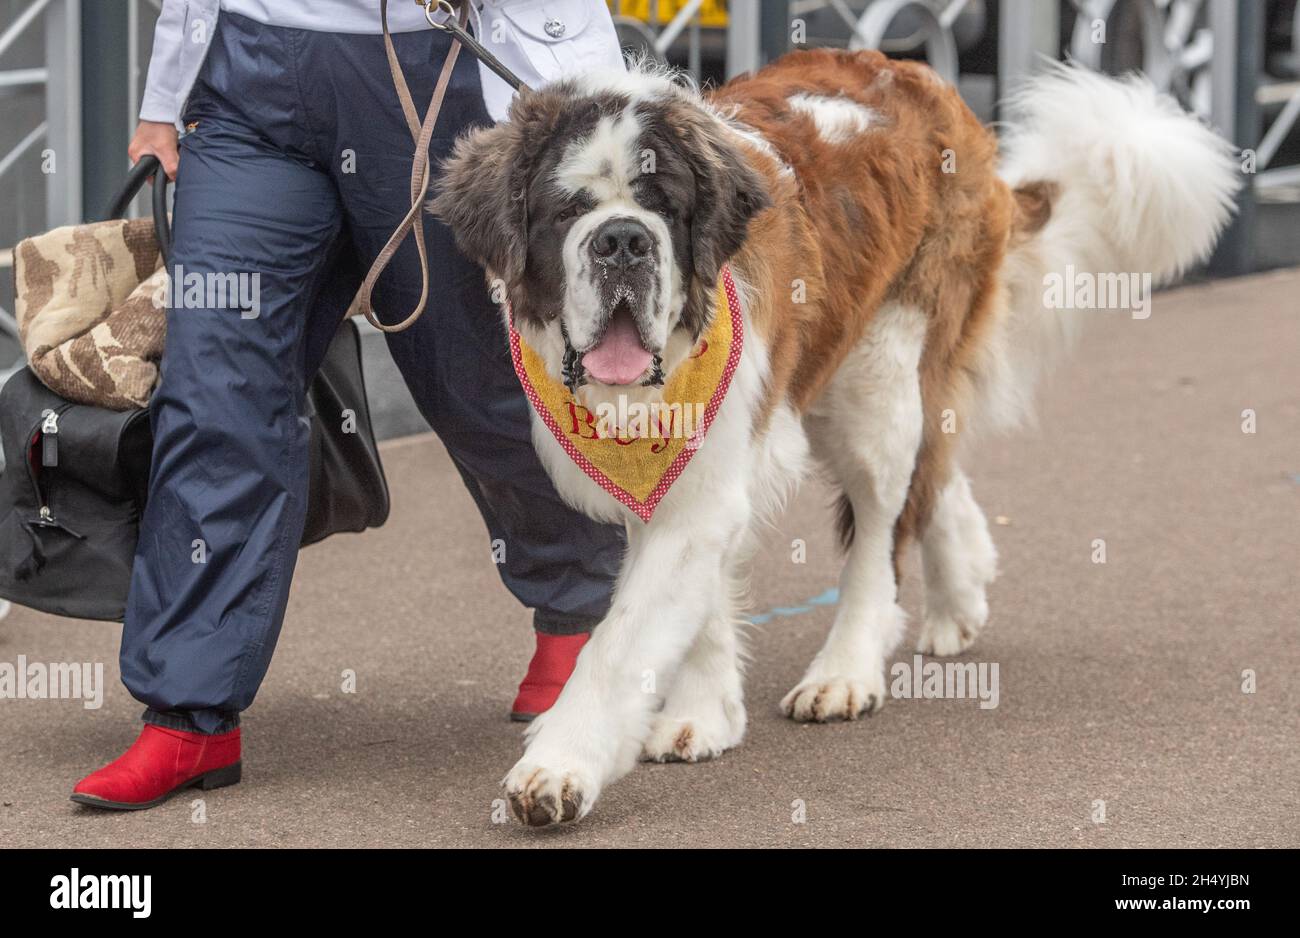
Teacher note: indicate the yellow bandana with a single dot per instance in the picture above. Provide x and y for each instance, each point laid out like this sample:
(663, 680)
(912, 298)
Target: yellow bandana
(638, 463)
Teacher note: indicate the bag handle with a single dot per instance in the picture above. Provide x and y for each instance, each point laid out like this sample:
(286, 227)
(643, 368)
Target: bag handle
(148, 165)
(420, 172)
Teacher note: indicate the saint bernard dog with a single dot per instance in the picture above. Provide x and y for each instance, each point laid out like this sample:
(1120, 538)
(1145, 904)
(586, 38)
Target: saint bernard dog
(890, 261)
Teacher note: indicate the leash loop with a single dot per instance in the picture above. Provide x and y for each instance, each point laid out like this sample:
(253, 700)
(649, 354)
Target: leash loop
(443, 7)
(422, 133)
(480, 52)
(420, 173)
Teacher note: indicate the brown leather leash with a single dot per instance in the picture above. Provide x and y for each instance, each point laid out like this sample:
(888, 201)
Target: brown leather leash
(422, 134)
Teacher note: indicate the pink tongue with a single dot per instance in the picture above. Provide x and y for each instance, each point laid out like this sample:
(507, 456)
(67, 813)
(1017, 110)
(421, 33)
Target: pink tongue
(619, 358)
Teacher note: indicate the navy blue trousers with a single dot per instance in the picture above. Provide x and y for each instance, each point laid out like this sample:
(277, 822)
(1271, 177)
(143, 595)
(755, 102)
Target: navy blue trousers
(297, 169)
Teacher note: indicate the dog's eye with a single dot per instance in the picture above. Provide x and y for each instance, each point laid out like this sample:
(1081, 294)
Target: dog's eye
(658, 203)
(568, 213)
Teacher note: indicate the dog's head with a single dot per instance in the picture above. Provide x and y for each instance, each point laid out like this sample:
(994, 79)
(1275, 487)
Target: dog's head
(606, 207)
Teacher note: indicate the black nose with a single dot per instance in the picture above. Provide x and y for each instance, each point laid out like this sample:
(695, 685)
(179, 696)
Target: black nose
(622, 242)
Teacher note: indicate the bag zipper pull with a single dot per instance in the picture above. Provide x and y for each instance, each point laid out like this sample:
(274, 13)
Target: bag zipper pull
(50, 440)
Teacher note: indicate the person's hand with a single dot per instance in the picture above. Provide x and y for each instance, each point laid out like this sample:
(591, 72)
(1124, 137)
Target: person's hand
(158, 139)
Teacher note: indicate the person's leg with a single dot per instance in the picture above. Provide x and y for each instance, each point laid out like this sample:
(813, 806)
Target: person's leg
(227, 493)
(455, 359)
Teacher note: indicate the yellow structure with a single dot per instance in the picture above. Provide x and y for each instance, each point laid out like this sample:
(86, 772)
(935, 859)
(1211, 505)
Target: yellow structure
(713, 13)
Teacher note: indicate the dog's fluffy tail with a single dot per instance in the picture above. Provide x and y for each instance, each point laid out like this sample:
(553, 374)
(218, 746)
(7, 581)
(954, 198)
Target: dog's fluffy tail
(1112, 179)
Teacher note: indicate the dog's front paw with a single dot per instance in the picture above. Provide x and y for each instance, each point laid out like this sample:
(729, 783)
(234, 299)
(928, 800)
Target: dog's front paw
(689, 740)
(823, 700)
(695, 727)
(945, 634)
(540, 796)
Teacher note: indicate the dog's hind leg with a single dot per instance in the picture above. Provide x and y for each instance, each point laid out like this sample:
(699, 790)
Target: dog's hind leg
(866, 429)
(959, 561)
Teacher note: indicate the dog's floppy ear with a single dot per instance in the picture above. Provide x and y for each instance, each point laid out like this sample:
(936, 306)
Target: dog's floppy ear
(482, 195)
(728, 193)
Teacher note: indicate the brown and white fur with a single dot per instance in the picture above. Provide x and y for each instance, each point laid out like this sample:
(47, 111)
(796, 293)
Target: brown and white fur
(892, 283)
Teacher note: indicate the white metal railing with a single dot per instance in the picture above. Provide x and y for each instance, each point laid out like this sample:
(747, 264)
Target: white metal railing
(14, 155)
(19, 26)
(61, 78)
(61, 129)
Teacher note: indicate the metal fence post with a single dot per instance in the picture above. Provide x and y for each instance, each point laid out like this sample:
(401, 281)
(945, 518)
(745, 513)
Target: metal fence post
(105, 83)
(775, 29)
(744, 52)
(63, 203)
(1234, 72)
(1026, 30)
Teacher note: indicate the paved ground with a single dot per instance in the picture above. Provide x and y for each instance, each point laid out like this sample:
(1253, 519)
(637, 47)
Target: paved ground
(1118, 682)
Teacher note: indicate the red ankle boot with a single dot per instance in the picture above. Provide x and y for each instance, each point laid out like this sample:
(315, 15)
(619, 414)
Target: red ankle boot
(160, 763)
(551, 666)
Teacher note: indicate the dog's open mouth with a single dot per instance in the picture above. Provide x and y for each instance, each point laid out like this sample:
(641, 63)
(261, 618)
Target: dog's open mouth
(619, 356)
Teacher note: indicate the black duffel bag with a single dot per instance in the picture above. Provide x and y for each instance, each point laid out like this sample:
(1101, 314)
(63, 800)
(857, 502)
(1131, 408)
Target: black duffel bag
(75, 476)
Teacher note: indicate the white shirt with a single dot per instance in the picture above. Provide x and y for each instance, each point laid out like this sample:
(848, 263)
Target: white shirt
(539, 40)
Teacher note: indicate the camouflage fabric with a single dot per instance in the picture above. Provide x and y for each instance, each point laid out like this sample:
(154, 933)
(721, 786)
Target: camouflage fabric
(91, 314)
